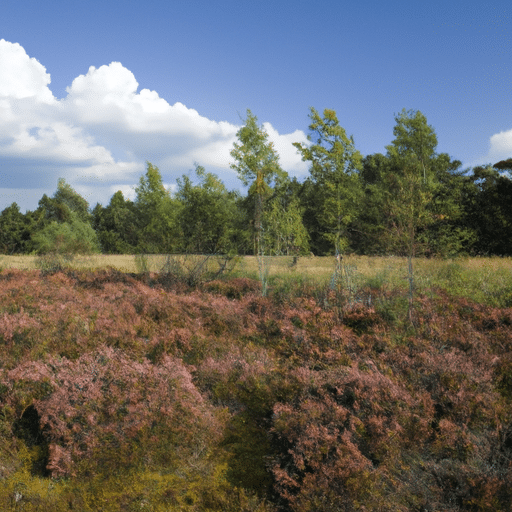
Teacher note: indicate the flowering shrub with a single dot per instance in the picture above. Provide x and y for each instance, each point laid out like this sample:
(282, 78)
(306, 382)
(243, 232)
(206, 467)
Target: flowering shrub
(120, 393)
(103, 401)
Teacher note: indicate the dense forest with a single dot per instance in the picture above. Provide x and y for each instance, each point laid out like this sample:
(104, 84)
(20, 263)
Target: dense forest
(409, 201)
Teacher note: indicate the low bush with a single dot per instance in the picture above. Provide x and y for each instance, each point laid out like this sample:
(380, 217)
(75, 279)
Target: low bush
(119, 392)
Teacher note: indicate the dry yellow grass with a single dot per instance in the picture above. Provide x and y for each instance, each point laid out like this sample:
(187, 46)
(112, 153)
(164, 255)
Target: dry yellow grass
(390, 270)
(314, 266)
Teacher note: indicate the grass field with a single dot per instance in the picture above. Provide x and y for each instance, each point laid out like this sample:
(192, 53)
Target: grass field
(486, 280)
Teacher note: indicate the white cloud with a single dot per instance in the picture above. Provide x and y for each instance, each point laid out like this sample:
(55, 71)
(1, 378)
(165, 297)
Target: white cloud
(22, 77)
(103, 131)
(127, 190)
(57, 141)
(501, 146)
(289, 158)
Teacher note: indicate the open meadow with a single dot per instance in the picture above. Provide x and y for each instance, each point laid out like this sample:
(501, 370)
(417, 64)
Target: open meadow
(485, 280)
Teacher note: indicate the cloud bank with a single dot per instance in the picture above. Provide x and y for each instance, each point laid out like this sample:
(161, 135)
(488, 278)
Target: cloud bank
(99, 136)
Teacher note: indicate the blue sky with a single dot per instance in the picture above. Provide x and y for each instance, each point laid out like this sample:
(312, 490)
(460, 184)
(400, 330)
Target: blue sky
(170, 80)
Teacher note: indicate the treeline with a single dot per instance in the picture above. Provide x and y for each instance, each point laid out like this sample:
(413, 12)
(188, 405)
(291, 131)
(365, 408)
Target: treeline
(409, 201)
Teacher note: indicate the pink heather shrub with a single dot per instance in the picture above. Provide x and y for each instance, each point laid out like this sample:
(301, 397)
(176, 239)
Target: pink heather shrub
(234, 288)
(287, 400)
(16, 326)
(104, 400)
(341, 436)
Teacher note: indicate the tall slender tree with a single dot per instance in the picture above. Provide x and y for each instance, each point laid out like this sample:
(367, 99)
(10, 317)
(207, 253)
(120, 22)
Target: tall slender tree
(257, 165)
(411, 183)
(284, 230)
(335, 163)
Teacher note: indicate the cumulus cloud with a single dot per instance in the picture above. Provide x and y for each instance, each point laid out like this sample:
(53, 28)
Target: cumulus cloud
(283, 144)
(501, 146)
(22, 76)
(100, 135)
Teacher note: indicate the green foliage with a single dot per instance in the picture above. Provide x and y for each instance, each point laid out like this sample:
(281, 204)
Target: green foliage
(58, 243)
(334, 169)
(448, 234)
(412, 182)
(374, 205)
(66, 238)
(63, 229)
(157, 213)
(257, 165)
(256, 161)
(505, 165)
(371, 224)
(411, 186)
(414, 138)
(65, 201)
(487, 198)
(66, 195)
(208, 213)
(410, 189)
(284, 232)
(32, 231)
(117, 225)
(15, 230)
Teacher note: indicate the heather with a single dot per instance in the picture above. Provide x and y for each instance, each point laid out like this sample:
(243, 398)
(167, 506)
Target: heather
(124, 391)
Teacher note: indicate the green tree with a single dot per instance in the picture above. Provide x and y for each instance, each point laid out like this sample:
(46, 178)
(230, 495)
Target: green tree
(411, 184)
(66, 195)
(257, 165)
(157, 213)
(116, 225)
(284, 232)
(310, 196)
(368, 232)
(504, 165)
(15, 230)
(334, 169)
(414, 140)
(58, 243)
(445, 234)
(64, 201)
(448, 234)
(487, 203)
(63, 228)
(208, 212)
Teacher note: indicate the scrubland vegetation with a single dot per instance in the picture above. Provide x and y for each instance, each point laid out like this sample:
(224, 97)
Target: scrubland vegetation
(224, 369)
(139, 391)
